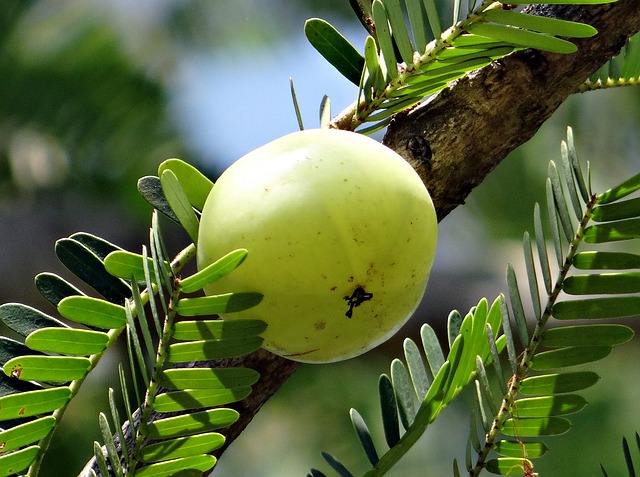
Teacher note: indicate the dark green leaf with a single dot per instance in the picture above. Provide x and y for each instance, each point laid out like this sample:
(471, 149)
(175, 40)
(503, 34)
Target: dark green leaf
(553, 222)
(535, 427)
(389, 409)
(47, 368)
(571, 356)
(190, 424)
(454, 323)
(613, 231)
(620, 191)
(89, 268)
(67, 341)
(208, 378)
(531, 275)
(587, 335)
(99, 246)
(11, 385)
(516, 306)
(213, 349)
(199, 398)
(182, 447)
(24, 319)
(110, 446)
(561, 2)
(335, 48)
(336, 465)
(217, 304)
(592, 260)
(544, 406)
(195, 184)
(174, 468)
(560, 202)
(597, 308)
(216, 329)
(54, 288)
(558, 383)
(364, 436)
(519, 448)
(150, 189)
(214, 271)
(602, 284)
(18, 461)
(93, 312)
(33, 403)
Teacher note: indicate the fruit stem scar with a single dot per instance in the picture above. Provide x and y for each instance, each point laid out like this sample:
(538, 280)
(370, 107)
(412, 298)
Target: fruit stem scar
(357, 298)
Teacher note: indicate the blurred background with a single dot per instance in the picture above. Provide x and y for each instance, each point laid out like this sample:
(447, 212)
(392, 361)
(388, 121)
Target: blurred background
(96, 93)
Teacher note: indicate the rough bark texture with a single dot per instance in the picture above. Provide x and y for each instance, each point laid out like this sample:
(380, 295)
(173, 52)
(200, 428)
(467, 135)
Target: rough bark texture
(455, 140)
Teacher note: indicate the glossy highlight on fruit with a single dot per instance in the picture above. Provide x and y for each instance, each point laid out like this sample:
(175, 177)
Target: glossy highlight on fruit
(341, 235)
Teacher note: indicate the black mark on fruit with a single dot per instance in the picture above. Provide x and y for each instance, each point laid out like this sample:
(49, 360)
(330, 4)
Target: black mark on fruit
(357, 298)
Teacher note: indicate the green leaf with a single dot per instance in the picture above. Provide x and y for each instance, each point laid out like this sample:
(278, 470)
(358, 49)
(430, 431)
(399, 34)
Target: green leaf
(25, 434)
(53, 288)
(562, 2)
(216, 329)
(15, 462)
(336, 465)
(516, 306)
(560, 202)
(199, 398)
(524, 38)
(620, 191)
(217, 304)
(587, 335)
(47, 368)
(67, 341)
(194, 183)
(531, 275)
(97, 245)
(182, 447)
(364, 436)
(418, 26)
(417, 369)
(613, 231)
(213, 349)
(180, 204)
(87, 266)
(24, 319)
(405, 395)
(602, 284)
(519, 448)
(202, 463)
(150, 189)
(536, 427)
(605, 260)
(385, 43)
(552, 26)
(190, 424)
(597, 308)
(558, 383)
(625, 209)
(93, 312)
(399, 29)
(508, 465)
(33, 403)
(571, 356)
(544, 406)
(214, 271)
(208, 378)
(433, 17)
(335, 48)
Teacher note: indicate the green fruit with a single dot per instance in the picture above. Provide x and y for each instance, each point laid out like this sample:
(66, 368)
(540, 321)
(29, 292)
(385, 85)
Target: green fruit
(341, 234)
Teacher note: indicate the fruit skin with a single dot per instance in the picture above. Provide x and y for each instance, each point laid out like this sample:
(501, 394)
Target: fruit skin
(325, 215)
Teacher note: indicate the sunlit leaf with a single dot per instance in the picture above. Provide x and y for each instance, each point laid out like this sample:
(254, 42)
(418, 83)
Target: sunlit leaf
(214, 271)
(125, 265)
(182, 447)
(625, 209)
(558, 383)
(544, 406)
(93, 312)
(201, 463)
(33, 403)
(603, 260)
(17, 461)
(67, 341)
(535, 427)
(613, 231)
(519, 448)
(525, 38)
(190, 424)
(508, 465)
(553, 26)
(597, 308)
(217, 329)
(195, 184)
(335, 48)
(208, 378)
(199, 398)
(213, 349)
(25, 434)
(383, 37)
(602, 284)
(571, 356)
(47, 368)
(620, 191)
(217, 304)
(179, 202)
